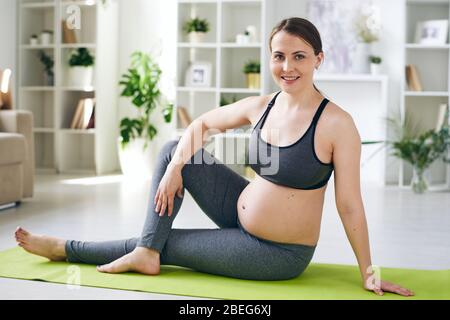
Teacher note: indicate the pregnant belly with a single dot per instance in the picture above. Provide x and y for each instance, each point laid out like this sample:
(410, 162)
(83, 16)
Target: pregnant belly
(280, 213)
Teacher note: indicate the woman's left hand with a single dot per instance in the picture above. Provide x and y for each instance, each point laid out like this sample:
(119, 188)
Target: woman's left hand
(384, 286)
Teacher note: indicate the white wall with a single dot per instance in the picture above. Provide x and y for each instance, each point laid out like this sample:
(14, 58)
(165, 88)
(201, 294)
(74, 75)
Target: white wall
(149, 26)
(8, 25)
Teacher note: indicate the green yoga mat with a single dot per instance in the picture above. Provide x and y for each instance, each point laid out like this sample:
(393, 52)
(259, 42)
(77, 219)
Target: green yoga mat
(319, 281)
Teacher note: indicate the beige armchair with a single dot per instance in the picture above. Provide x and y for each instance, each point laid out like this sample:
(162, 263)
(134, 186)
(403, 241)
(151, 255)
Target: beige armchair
(16, 156)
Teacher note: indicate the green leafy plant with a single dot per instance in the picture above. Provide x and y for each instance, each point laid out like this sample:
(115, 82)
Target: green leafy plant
(375, 59)
(196, 25)
(252, 66)
(140, 84)
(224, 101)
(47, 61)
(81, 58)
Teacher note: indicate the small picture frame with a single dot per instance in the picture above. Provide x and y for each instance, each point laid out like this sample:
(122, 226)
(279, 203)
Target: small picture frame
(432, 32)
(198, 74)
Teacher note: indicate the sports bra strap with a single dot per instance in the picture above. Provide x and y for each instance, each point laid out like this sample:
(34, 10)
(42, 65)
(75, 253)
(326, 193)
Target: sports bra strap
(319, 111)
(273, 100)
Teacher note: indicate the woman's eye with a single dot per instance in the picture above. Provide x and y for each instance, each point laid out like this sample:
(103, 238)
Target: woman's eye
(277, 57)
(299, 57)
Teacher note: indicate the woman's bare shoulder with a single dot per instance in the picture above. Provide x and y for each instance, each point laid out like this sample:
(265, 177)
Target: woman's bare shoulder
(259, 104)
(337, 120)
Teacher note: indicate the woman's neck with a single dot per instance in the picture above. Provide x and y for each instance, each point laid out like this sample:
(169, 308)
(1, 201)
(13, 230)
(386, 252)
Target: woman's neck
(306, 98)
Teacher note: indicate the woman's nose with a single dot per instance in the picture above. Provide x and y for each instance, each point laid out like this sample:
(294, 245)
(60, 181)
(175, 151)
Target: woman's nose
(286, 65)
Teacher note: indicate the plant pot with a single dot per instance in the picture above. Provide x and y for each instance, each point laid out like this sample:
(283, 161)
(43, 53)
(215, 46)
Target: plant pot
(375, 69)
(361, 62)
(253, 80)
(248, 172)
(135, 161)
(46, 38)
(49, 80)
(419, 183)
(197, 36)
(80, 76)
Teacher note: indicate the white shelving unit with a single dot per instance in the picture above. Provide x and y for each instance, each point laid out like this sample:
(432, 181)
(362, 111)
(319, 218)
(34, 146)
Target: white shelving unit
(432, 63)
(58, 148)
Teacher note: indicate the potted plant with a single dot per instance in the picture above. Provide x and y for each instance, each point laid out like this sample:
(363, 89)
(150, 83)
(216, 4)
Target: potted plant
(252, 70)
(48, 63)
(196, 29)
(46, 37)
(141, 84)
(375, 62)
(81, 70)
(33, 40)
(367, 27)
(420, 150)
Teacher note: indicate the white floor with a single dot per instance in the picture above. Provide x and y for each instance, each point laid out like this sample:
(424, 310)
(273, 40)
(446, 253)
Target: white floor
(406, 230)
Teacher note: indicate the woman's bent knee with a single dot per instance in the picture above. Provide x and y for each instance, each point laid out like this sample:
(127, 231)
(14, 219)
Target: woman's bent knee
(168, 149)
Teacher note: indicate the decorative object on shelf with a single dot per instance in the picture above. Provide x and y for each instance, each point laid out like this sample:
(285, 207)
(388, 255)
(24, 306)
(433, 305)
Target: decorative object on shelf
(46, 37)
(141, 84)
(81, 69)
(48, 62)
(198, 74)
(34, 40)
(368, 28)
(252, 70)
(443, 116)
(5, 90)
(69, 35)
(184, 116)
(432, 32)
(251, 31)
(84, 115)
(420, 150)
(375, 62)
(224, 101)
(196, 29)
(413, 78)
(338, 39)
(249, 36)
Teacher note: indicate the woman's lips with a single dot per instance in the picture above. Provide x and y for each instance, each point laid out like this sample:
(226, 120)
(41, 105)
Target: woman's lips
(289, 81)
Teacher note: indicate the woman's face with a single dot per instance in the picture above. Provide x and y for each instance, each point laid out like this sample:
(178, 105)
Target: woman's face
(292, 61)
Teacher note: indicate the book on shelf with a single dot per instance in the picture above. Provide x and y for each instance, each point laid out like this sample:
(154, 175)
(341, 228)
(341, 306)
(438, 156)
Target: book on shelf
(184, 116)
(412, 78)
(442, 117)
(84, 115)
(68, 34)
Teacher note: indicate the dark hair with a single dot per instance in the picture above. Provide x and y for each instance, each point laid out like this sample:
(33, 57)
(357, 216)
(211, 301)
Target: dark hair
(301, 28)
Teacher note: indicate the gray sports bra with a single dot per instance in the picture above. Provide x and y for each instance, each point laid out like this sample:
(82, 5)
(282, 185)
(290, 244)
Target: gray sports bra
(296, 165)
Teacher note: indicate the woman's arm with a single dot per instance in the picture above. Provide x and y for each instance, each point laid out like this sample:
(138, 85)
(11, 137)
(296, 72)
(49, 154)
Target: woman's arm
(212, 122)
(346, 160)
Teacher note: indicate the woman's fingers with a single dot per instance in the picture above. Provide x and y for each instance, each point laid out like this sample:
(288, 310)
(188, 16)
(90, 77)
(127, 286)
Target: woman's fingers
(156, 196)
(163, 205)
(170, 205)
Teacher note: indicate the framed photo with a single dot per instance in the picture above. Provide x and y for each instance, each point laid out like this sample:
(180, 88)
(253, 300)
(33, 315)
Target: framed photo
(198, 74)
(432, 32)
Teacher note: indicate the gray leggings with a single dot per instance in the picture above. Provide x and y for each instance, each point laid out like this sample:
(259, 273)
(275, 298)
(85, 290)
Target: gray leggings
(228, 250)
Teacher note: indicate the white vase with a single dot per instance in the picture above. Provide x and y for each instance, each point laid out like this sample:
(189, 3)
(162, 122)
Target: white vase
(80, 76)
(136, 162)
(361, 62)
(46, 38)
(196, 37)
(375, 68)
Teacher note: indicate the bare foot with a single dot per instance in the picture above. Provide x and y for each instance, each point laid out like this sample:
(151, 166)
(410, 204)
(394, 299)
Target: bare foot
(142, 260)
(45, 246)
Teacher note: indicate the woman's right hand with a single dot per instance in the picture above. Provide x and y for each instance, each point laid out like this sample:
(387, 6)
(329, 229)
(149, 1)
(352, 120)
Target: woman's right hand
(170, 185)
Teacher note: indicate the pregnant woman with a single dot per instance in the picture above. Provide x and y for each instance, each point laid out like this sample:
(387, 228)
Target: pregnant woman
(269, 227)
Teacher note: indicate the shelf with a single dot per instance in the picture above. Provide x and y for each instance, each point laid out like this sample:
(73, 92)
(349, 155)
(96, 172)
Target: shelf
(77, 131)
(78, 45)
(426, 93)
(180, 132)
(197, 45)
(350, 77)
(37, 88)
(240, 90)
(426, 46)
(43, 130)
(37, 47)
(84, 89)
(198, 89)
(79, 3)
(238, 45)
(37, 5)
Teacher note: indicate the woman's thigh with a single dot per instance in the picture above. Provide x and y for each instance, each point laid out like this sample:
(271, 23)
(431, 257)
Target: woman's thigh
(230, 252)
